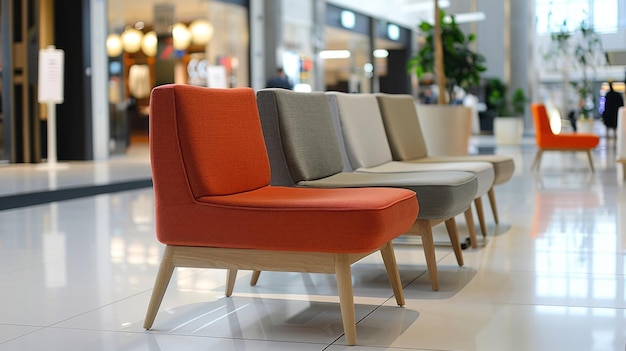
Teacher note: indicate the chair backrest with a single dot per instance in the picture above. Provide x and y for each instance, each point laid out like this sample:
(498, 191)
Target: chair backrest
(300, 136)
(205, 142)
(402, 126)
(362, 128)
(543, 132)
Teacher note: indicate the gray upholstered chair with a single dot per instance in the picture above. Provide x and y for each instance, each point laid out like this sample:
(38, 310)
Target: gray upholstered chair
(304, 151)
(359, 123)
(407, 142)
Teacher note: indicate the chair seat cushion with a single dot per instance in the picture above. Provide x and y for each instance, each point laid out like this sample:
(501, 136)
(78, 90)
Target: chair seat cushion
(483, 170)
(291, 219)
(571, 141)
(503, 166)
(446, 193)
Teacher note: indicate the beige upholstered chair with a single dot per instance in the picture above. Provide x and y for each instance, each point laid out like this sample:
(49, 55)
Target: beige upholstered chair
(360, 125)
(407, 143)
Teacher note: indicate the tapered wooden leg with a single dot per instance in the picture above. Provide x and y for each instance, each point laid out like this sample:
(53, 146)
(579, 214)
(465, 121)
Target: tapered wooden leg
(590, 161)
(494, 206)
(255, 277)
(471, 227)
(428, 244)
(346, 297)
(231, 276)
(537, 160)
(389, 258)
(478, 202)
(454, 238)
(160, 285)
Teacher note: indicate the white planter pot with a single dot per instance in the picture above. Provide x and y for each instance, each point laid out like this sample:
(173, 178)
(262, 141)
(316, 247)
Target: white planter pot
(508, 130)
(585, 126)
(446, 129)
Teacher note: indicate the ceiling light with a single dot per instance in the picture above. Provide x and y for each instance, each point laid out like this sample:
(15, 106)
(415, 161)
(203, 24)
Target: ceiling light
(201, 32)
(114, 45)
(149, 44)
(131, 40)
(381, 53)
(334, 54)
(468, 17)
(181, 36)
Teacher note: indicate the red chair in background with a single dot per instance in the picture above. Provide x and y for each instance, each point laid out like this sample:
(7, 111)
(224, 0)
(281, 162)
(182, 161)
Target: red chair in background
(216, 209)
(548, 141)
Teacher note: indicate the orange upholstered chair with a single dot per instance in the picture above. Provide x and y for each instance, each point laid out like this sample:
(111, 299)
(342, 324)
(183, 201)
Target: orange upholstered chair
(548, 141)
(216, 209)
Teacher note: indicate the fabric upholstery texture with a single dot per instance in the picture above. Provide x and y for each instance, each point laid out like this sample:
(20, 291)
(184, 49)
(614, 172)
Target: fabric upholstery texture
(548, 140)
(407, 142)
(363, 132)
(362, 128)
(402, 126)
(211, 175)
(441, 194)
(309, 146)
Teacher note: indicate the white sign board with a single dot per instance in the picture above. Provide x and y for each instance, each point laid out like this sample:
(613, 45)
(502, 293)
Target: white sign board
(51, 63)
(216, 77)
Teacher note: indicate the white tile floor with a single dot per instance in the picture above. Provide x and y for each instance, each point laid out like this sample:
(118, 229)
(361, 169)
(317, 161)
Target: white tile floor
(77, 275)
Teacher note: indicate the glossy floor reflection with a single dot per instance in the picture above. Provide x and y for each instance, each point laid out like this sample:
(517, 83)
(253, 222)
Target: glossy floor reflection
(77, 275)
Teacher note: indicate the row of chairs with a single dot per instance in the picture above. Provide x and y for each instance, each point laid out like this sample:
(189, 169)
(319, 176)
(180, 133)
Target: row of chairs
(302, 182)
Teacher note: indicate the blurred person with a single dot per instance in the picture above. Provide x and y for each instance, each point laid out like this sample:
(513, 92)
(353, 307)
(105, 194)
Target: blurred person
(280, 80)
(613, 101)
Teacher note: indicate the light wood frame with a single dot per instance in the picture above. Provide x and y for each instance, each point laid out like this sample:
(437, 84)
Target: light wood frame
(257, 260)
(537, 161)
(423, 228)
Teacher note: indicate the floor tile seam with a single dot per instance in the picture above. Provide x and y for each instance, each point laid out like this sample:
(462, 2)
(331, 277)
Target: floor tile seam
(486, 270)
(22, 269)
(115, 301)
(165, 333)
(522, 304)
(39, 328)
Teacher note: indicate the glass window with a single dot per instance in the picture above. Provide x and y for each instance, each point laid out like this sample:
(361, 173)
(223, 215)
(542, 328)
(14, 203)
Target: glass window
(553, 15)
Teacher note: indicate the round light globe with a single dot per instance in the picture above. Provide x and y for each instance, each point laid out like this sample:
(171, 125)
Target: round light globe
(181, 36)
(201, 32)
(131, 40)
(149, 44)
(114, 45)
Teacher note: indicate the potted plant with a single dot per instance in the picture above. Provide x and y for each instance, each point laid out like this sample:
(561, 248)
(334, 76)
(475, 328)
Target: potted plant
(446, 53)
(461, 66)
(508, 126)
(586, 54)
(582, 50)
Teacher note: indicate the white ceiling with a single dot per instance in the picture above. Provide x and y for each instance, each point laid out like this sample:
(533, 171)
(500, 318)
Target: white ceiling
(403, 12)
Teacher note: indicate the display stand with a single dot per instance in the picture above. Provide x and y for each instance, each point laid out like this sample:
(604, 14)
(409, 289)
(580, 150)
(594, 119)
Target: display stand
(51, 61)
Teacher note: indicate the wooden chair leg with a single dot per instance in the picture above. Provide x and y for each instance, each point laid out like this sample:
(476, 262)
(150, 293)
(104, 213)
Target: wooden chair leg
(478, 202)
(389, 258)
(590, 161)
(453, 232)
(471, 227)
(231, 276)
(160, 285)
(537, 160)
(494, 207)
(346, 297)
(255, 277)
(426, 232)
